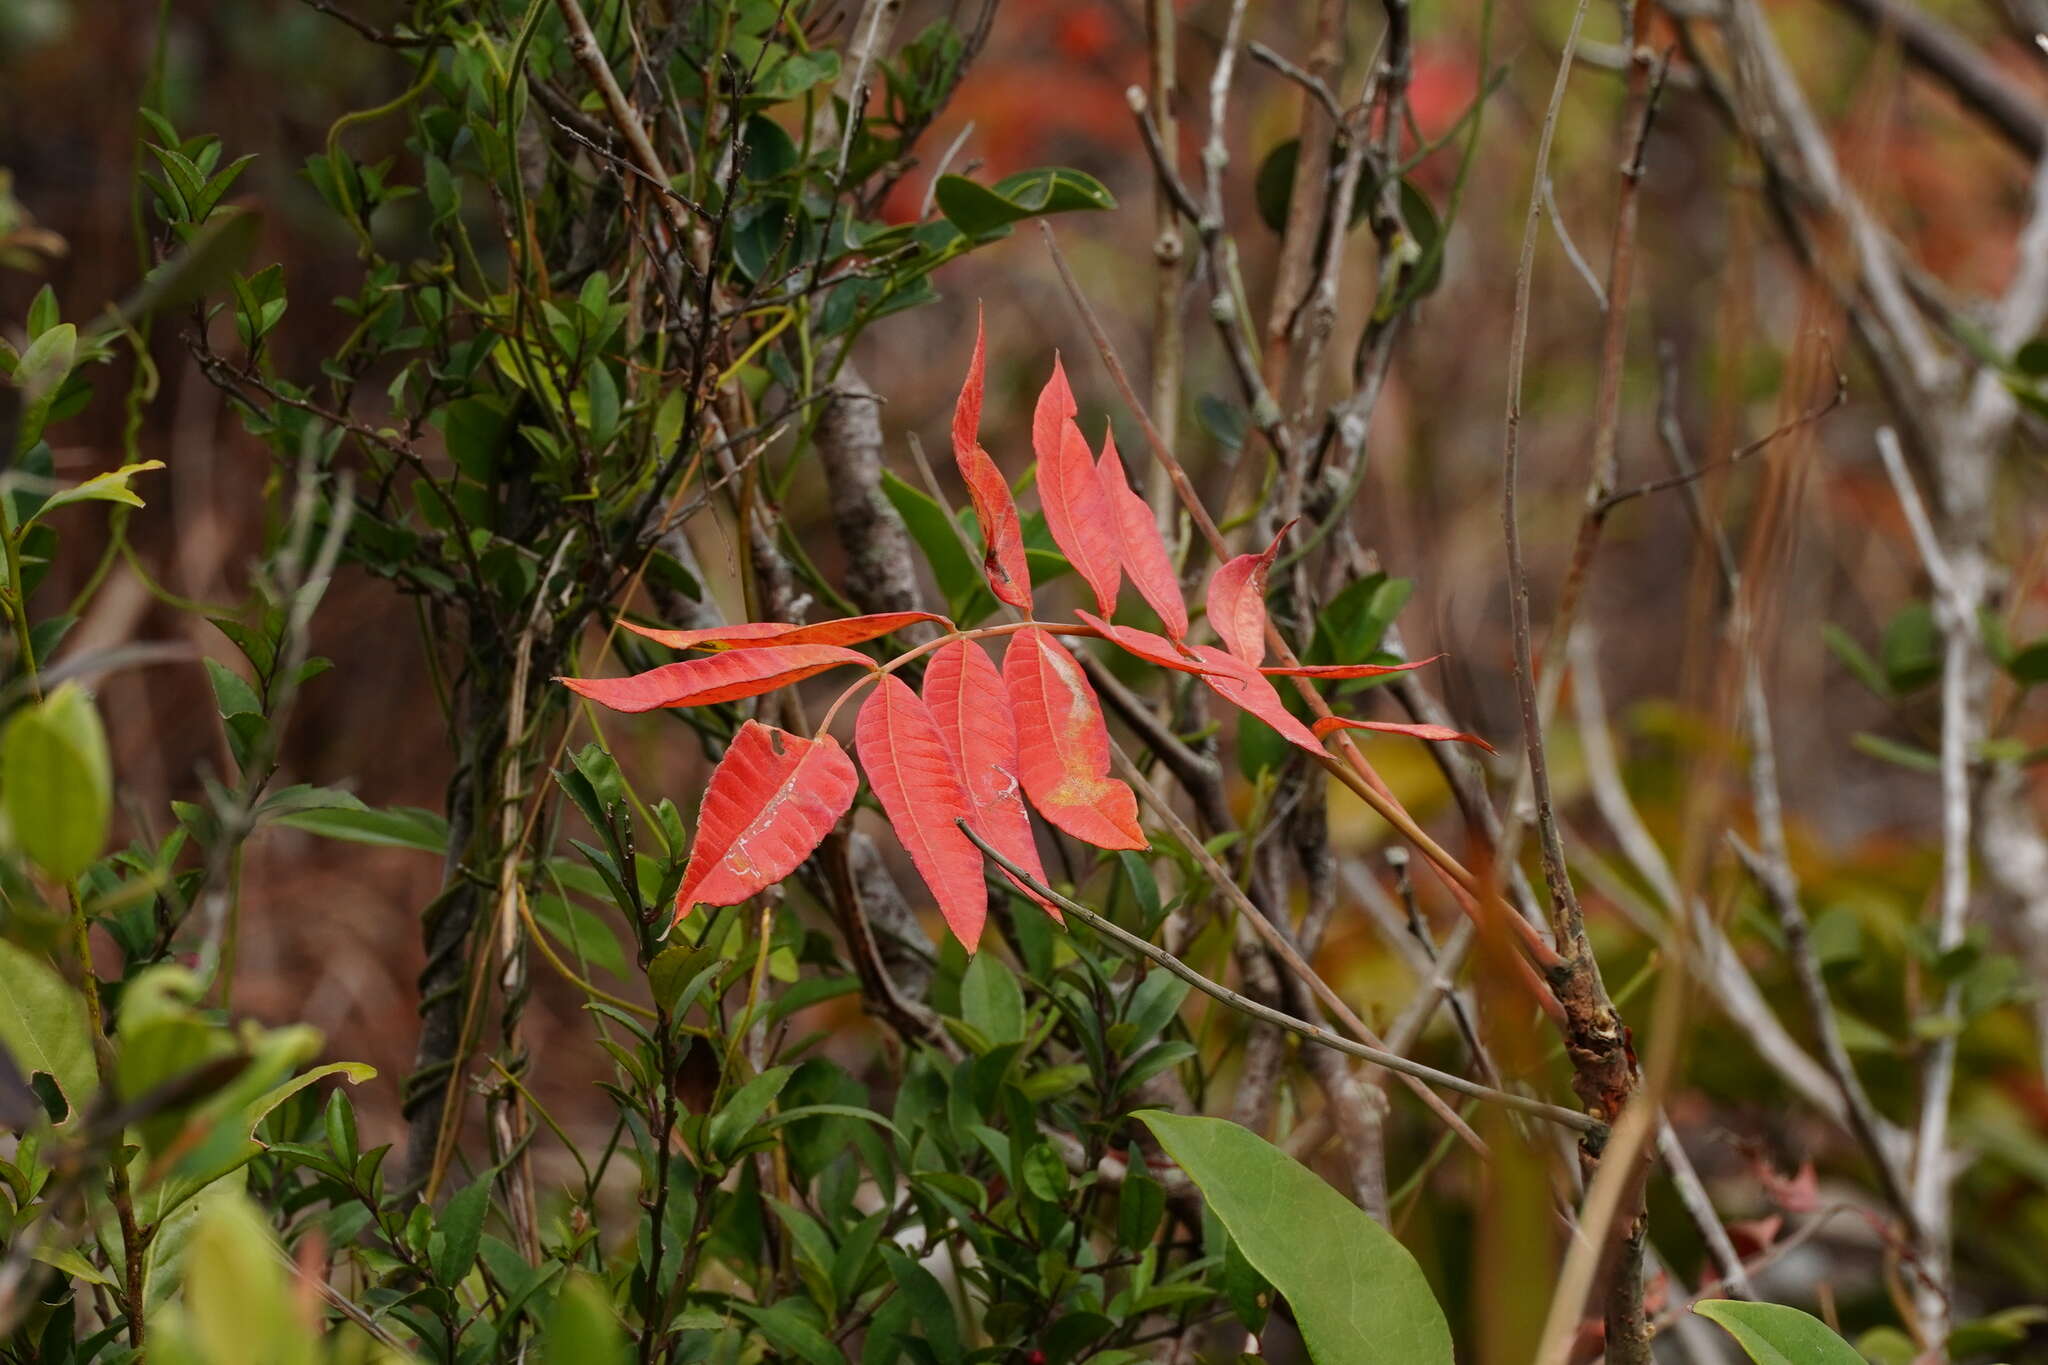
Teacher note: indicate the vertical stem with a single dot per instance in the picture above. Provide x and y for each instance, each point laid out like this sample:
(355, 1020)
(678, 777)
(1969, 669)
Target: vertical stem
(1168, 251)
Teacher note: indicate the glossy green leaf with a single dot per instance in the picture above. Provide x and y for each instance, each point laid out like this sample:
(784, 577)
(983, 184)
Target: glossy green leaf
(1357, 1294)
(1773, 1334)
(986, 210)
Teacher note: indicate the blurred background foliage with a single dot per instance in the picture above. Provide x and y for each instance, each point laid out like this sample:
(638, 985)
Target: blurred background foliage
(1726, 323)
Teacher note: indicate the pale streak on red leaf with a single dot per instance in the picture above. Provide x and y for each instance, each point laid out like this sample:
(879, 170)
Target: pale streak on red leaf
(1002, 535)
(771, 801)
(1064, 753)
(1143, 549)
(725, 676)
(849, 630)
(1244, 687)
(1343, 670)
(1077, 510)
(1435, 733)
(921, 792)
(1153, 649)
(1237, 602)
(965, 692)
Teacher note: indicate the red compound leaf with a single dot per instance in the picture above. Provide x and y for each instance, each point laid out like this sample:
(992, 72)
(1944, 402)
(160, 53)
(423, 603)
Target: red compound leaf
(1434, 733)
(1244, 687)
(1343, 670)
(1143, 550)
(1064, 755)
(1077, 511)
(1153, 649)
(725, 676)
(965, 692)
(922, 793)
(772, 800)
(1237, 602)
(850, 630)
(1002, 535)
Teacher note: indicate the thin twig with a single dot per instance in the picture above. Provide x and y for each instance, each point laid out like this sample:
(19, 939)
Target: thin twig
(1567, 1118)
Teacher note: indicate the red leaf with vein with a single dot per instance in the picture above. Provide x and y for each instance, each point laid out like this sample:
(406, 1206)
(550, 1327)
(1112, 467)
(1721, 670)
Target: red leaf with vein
(1064, 759)
(1436, 733)
(965, 692)
(1002, 535)
(1343, 670)
(1077, 510)
(725, 676)
(850, 630)
(1237, 602)
(772, 799)
(1244, 687)
(1143, 549)
(921, 792)
(1153, 649)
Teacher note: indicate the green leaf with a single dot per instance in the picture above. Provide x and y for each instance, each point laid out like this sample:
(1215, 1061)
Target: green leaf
(2029, 663)
(579, 931)
(1043, 1173)
(1355, 1291)
(991, 1000)
(1892, 751)
(748, 1103)
(1911, 649)
(984, 211)
(56, 782)
(111, 486)
(40, 375)
(583, 1329)
(1856, 659)
(1773, 1334)
(459, 1229)
(394, 827)
(43, 1025)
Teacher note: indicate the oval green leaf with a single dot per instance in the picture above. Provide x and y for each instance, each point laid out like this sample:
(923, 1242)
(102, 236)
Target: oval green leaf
(1357, 1294)
(1773, 1334)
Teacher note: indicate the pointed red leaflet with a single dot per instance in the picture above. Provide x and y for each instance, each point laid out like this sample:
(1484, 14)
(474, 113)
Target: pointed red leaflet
(850, 630)
(921, 792)
(725, 676)
(1153, 649)
(1077, 511)
(1064, 758)
(1143, 549)
(1002, 535)
(1237, 603)
(965, 692)
(1436, 733)
(1244, 687)
(1343, 670)
(772, 799)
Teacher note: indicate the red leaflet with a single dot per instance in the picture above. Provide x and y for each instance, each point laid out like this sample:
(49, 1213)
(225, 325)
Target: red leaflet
(1153, 649)
(1331, 724)
(772, 799)
(1143, 549)
(1077, 511)
(1237, 603)
(1002, 537)
(921, 792)
(1244, 687)
(1343, 670)
(1064, 759)
(725, 676)
(965, 693)
(851, 630)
